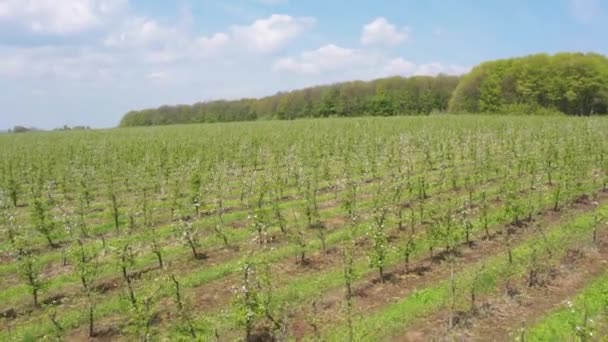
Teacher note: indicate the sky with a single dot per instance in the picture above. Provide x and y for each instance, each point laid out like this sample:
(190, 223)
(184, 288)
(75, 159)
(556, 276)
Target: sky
(88, 62)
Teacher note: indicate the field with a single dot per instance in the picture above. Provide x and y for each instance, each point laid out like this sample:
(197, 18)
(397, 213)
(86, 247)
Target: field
(405, 228)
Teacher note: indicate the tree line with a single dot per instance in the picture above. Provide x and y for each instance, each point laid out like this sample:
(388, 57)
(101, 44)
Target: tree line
(382, 97)
(569, 83)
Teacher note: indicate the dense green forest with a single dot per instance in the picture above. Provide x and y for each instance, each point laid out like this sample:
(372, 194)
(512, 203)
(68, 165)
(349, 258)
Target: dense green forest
(570, 83)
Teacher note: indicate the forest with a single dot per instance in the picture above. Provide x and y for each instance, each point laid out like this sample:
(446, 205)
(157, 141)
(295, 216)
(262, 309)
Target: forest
(383, 97)
(564, 83)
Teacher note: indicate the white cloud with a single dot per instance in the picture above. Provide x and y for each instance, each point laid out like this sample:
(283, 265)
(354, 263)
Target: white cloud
(271, 34)
(433, 69)
(59, 17)
(12, 65)
(55, 63)
(273, 2)
(158, 76)
(142, 32)
(400, 66)
(325, 58)
(211, 46)
(403, 67)
(382, 32)
(162, 43)
(358, 63)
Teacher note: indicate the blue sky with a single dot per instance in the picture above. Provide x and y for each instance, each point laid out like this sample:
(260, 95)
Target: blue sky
(87, 62)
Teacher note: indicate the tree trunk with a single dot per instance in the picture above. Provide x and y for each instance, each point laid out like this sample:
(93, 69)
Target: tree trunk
(159, 256)
(193, 248)
(50, 241)
(91, 320)
(35, 295)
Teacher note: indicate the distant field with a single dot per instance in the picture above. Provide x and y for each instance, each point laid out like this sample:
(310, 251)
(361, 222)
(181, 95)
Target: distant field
(403, 228)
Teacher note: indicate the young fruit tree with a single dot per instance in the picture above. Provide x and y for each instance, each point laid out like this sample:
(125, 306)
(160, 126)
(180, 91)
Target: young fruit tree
(86, 267)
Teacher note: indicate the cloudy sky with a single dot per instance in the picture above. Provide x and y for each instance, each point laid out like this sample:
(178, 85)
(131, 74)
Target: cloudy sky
(87, 62)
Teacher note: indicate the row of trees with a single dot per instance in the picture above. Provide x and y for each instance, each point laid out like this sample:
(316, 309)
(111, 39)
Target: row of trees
(571, 83)
(382, 97)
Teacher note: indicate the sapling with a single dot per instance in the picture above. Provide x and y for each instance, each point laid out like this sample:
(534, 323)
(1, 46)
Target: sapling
(248, 299)
(475, 285)
(309, 190)
(270, 309)
(86, 268)
(81, 213)
(86, 195)
(466, 223)
(155, 244)
(195, 196)
(126, 261)
(407, 250)
(321, 231)
(182, 308)
(484, 208)
(450, 235)
(41, 218)
(176, 203)
(51, 313)
(349, 197)
(220, 229)
(188, 235)
(298, 236)
(412, 220)
(422, 186)
(597, 221)
(534, 267)
(220, 226)
(507, 241)
(141, 311)
(30, 270)
(131, 225)
(452, 323)
(314, 321)
(278, 215)
(349, 278)
(104, 245)
(13, 190)
(114, 207)
(145, 208)
(468, 184)
(380, 248)
(556, 196)
(10, 224)
(259, 224)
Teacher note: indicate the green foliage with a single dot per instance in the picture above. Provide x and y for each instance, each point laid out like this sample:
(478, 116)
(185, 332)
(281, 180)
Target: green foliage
(570, 83)
(382, 97)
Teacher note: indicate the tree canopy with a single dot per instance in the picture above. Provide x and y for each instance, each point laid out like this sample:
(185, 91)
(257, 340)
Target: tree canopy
(571, 83)
(382, 97)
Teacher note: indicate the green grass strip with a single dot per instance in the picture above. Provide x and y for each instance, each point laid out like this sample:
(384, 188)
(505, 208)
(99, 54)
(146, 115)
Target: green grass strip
(568, 323)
